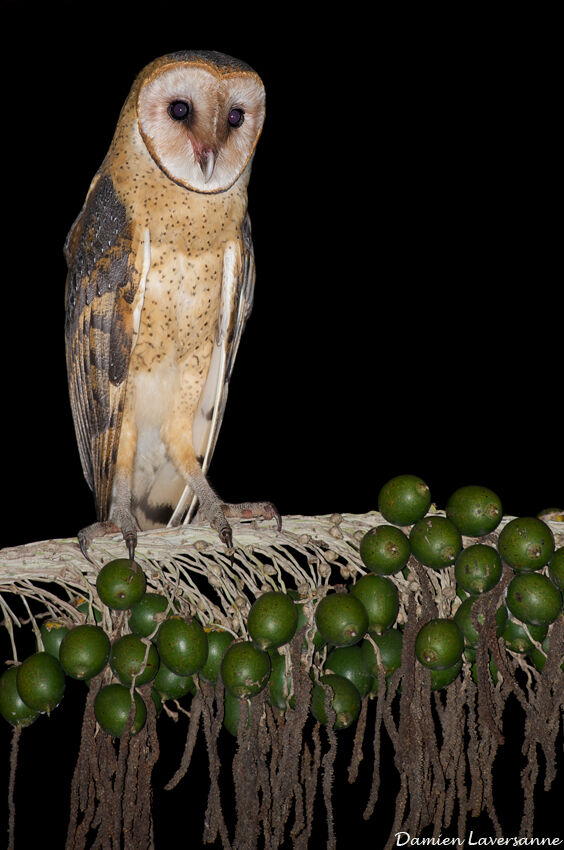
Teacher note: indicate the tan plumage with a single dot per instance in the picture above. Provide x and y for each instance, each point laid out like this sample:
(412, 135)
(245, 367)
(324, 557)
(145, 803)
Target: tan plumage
(160, 284)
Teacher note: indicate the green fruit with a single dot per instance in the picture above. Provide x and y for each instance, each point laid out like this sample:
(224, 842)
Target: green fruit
(121, 584)
(516, 637)
(12, 707)
(435, 541)
(347, 661)
(385, 550)
(218, 641)
(463, 619)
(300, 600)
(127, 660)
(477, 568)
(272, 619)
(533, 598)
(443, 678)
(171, 686)
(316, 638)
(112, 707)
(552, 514)
(538, 658)
(474, 510)
(52, 633)
(439, 644)
(232, 708)
(341, 619)
(142, 617)
(41, 682)
(556, 568)
(84, 651)
(280, 682)
(345, 701)
(182, 645)
(546, 642)
(245, 669)
(493, 672)
(85, 607)
(157, 700)
(379, 596)
(390, 645)
(526, 543)
(404, 500)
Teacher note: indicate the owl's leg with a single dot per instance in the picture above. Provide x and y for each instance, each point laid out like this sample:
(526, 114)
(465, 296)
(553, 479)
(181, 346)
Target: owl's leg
(211, 507)
(120, 508)
(217, 512)
(121, 517)
(120, 512)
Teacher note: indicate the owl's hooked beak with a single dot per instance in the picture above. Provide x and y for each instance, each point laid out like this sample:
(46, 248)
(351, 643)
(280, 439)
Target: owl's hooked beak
(206, 157)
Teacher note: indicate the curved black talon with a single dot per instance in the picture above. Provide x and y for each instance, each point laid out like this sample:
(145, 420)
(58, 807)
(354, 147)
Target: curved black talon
(84, 543)
(276, 516)
(131, 542)
(226, 535)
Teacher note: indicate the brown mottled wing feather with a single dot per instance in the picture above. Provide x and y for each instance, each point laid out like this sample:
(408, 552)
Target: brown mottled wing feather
(101, 286)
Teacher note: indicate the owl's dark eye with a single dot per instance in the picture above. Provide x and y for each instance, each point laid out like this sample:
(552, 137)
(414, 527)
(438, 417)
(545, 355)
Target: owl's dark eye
(236, 117)
(179, 110)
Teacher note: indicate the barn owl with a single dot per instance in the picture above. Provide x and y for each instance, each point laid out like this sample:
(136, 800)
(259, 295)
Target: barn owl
(159, 287)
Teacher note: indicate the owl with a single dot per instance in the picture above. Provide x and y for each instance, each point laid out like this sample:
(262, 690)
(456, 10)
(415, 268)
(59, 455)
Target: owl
(160, 285)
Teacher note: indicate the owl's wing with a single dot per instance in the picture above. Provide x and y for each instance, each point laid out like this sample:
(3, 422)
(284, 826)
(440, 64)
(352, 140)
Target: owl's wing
(107, 265)
(237, 291)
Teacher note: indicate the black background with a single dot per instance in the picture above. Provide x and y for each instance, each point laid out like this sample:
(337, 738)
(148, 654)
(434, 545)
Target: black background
(408, 309)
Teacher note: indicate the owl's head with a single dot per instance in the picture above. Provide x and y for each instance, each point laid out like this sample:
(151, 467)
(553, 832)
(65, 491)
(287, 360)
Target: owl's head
(200, 114)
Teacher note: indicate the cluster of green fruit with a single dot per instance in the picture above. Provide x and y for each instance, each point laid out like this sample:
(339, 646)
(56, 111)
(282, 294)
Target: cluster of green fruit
(352, 628)
(354, 634)
(353, 631)
(532, 601)
(161, 648)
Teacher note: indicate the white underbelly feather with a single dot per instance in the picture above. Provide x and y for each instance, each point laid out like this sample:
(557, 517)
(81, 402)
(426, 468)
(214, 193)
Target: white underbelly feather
(155, 479)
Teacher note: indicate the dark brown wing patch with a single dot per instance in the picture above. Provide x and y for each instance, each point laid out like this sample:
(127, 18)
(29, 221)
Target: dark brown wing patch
(101, 286)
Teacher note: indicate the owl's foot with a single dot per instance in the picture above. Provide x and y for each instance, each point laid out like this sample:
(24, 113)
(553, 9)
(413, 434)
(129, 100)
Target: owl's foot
(216, 513)
(243, 510)
(211, 509)
(98, 529)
